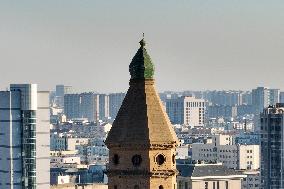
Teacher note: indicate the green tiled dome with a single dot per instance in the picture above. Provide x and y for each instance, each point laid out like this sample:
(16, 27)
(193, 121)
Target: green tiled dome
(141, 66)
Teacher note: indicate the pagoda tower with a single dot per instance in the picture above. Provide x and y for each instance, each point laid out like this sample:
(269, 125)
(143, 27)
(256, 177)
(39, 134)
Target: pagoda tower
(142, 143)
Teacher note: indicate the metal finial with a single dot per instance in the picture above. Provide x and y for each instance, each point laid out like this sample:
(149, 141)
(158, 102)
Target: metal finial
(142, 42)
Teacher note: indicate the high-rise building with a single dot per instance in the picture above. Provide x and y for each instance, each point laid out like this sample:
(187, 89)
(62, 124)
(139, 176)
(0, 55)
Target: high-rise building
(62, 90)
(281, 97)
(72, 106)
(186, 110)
(216, 111)
(272, 147)
(115, 101)
(24, 137)
(246, 98)
(263, 97)
(103, 106)
(226, 98)
(89, 106)
(142, 143)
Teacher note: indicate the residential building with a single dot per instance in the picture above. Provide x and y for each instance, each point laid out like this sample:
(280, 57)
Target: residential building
(222, 148)
(58, 143)
(215, 111)
(103, 106)
(262, 97)
(182, 152)
(244, 109)
(61, 90)
(89, 106)
(247, 138)
(72, 106)
(186, 110)
(246, 98)
(224, 98)
(281, 97)
(208, 176)
(80, 186)
(115, 101)
(252, 181)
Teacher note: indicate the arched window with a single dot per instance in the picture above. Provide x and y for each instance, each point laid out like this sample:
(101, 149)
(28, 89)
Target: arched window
(161, 187)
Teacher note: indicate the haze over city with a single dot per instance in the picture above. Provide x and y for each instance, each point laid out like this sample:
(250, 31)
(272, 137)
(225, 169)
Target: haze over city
(195, 45)
(129, 94)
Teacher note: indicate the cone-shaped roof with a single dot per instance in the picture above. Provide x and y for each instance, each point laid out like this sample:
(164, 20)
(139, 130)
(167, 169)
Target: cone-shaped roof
(141, 66)
(141, 119)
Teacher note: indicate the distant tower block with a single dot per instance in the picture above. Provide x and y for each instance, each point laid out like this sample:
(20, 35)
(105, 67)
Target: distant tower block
(142, 142)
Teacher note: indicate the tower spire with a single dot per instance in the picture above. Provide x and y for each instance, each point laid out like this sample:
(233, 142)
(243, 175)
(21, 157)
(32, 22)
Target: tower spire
(142, 142)
(141, 66)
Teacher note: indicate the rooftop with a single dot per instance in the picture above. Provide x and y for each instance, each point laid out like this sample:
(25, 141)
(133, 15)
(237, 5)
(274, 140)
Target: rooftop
(205, 170)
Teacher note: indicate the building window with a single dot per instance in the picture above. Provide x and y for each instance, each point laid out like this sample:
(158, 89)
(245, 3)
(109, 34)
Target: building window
(161, 187)
(136, 160)
(227, 185)
(174, 159)
(115, 159)
(206, 185)
(160, 159)
(136, 187)
(218, 186)
(114, 187)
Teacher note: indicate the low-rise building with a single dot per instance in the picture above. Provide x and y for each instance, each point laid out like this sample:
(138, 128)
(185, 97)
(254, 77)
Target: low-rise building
(208, 176)
(222, 148)
(252, 181)
(80, 186)
(182, 152)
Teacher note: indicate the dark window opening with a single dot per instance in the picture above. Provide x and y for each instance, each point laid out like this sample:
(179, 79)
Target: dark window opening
(115, 159)
(160, 159)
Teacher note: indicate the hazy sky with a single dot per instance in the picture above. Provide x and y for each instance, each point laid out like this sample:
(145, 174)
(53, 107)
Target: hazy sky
(194, 44)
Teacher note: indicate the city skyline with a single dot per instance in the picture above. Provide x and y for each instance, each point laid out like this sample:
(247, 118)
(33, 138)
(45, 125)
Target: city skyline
(141, 94)
(89, 44)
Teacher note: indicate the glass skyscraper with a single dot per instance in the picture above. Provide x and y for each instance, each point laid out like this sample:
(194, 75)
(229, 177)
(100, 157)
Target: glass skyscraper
(272, 147)
(24, 141)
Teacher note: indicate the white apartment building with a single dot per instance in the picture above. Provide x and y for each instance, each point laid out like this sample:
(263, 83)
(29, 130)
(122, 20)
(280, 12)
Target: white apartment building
(186, 110)
(221, 148)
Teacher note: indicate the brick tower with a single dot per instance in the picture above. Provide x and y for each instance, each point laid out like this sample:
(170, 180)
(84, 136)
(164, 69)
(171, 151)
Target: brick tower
(142, 142)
